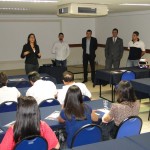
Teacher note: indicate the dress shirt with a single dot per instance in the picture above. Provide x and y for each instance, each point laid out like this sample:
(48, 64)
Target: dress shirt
(9, 94)
(114, 39)
(42, 90)
(61, 50)
(62, 92)
(88, 46)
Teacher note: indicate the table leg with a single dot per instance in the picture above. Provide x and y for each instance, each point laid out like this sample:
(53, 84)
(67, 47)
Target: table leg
(149, 111)
(100, 90)
(112, 92)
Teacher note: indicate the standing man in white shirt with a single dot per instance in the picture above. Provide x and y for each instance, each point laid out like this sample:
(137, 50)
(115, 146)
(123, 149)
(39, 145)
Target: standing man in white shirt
(68, 80)
(61, 51)
(41, 89)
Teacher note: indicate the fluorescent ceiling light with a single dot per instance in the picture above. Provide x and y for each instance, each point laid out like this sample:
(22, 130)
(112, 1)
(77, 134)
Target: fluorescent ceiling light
(17, 9)
(128, 4)
(35, 1)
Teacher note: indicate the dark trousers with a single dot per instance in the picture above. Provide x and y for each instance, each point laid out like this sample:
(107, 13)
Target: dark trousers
(110, 61)
(109, 130)
(86, 59)
(30, 67)
(61, 63)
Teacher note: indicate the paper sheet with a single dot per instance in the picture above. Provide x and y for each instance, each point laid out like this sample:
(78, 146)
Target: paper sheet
(1, 131)
(103, 110)
(53, 116)
(9, 124)
(17, 79)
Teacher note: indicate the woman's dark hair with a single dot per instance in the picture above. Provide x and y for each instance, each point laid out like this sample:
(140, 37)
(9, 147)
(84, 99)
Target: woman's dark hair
(125, 92)
(28, 41)
(73, 105)
(3, 79)
(27, 118)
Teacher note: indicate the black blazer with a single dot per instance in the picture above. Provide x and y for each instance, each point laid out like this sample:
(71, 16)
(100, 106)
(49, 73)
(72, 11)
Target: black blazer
(93, 46)
(31, 58)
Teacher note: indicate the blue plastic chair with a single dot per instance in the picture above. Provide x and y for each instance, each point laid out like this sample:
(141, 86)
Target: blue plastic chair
(87, 134)
(8, 106)
(129, 127)
(49, 102)
(126, 76)
(32, 143)
(85, 98)
(23, 84)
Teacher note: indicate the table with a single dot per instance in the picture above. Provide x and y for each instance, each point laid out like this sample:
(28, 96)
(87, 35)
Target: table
(24, 90)
(8, 117)
(140, 142)
(53, 71)
(113, 76)
(142, 86)
(14, 80)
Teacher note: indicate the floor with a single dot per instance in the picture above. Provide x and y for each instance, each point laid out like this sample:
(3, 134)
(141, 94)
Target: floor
(106, 91)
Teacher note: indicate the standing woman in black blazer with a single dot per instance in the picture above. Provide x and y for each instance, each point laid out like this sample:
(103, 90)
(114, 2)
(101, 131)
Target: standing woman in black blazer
(32, 52)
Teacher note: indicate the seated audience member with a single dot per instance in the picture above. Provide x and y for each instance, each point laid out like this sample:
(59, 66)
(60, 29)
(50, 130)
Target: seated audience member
(127, 106)
(7, 93)
(75, 113)
(68, 80)
(40, 90)
(28, 124)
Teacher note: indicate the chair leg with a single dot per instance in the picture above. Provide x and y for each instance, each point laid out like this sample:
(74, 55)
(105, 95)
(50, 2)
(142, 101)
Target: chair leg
(149, 111)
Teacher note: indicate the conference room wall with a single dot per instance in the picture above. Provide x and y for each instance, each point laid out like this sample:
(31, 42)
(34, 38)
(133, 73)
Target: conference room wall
(126, 24)
(15, 29)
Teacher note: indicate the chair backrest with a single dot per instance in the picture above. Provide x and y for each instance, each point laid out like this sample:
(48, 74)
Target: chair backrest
(23, 84)
(85, 98)
(8, 106)
(50, 78)
(32, 143)
(128, 76)
(87, 134)
(129, 127)
(49, 102)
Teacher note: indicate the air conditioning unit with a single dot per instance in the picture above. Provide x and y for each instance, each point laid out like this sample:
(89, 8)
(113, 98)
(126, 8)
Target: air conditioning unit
(82, 10)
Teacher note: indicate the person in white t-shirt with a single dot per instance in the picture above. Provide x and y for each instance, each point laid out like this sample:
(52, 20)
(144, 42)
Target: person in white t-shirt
(7, 93)
(136, 50)
(68, 80)
(61, 51)
(40, 90)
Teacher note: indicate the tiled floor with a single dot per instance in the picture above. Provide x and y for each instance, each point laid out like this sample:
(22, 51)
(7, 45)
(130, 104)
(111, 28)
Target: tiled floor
(106, 91)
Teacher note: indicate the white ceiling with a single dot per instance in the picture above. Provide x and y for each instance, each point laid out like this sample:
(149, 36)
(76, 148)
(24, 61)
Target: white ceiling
(50, 8)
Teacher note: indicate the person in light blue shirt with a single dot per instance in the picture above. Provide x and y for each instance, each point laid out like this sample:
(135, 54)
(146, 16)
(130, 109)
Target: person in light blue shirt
(75, 113)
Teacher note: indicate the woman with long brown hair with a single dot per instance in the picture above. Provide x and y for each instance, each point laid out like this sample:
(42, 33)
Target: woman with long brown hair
(32, 52)
(28, 123)
(75, 113)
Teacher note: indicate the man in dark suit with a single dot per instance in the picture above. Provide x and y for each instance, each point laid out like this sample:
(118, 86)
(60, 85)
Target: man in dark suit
(113, 50)
(89, 46)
